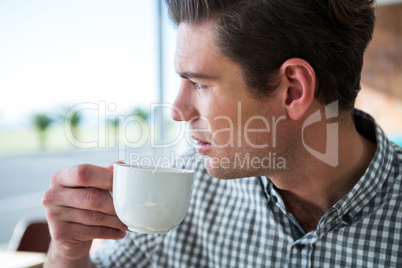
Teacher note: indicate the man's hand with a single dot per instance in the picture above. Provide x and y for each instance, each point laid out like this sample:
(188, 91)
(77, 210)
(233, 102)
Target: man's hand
(80, 208)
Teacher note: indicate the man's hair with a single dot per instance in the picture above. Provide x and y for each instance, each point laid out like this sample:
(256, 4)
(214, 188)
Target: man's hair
(260, 35)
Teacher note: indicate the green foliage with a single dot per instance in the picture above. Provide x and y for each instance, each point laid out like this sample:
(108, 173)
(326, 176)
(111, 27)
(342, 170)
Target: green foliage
(114, 122)
(144, 114)
(74, 119)
(42, 122)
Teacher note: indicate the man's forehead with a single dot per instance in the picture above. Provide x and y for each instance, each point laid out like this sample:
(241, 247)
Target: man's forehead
(195, 38)
(196, 51)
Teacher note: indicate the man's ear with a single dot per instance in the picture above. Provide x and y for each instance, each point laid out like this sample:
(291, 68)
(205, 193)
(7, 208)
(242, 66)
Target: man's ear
(298, 83)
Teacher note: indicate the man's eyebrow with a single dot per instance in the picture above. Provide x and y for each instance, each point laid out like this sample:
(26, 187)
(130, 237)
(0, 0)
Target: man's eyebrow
(189, 75)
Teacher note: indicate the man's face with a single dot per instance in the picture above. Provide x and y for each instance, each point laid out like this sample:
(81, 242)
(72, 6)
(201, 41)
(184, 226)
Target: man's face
(230, 127)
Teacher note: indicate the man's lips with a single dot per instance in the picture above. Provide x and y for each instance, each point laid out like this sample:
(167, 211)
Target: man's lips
(202, 147)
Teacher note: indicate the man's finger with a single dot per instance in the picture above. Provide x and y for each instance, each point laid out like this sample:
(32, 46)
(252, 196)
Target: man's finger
(92, 218)
(84, 176)
(79, 232)
(84, 198)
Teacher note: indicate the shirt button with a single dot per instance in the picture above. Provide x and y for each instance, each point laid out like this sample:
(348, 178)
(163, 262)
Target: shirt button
(346, 219)
(298, 247)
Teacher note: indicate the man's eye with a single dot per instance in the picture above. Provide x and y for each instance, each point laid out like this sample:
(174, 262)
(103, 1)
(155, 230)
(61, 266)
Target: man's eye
(199, 86)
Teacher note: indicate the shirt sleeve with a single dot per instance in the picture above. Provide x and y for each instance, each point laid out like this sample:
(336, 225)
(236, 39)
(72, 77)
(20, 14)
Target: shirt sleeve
(135, 250)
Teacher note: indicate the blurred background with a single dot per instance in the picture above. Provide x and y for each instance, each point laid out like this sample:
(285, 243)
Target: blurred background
(72, 72)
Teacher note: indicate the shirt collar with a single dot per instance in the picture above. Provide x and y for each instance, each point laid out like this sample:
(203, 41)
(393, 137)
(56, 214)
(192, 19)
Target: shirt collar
(375, 175)
(368, 185)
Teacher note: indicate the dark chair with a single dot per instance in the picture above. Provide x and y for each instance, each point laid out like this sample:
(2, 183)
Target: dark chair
(30, 235)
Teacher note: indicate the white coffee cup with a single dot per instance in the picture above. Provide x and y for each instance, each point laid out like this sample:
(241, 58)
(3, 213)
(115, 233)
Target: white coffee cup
(151, 200)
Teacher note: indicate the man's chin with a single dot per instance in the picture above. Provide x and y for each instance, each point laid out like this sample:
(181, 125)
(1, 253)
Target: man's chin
(220, 172)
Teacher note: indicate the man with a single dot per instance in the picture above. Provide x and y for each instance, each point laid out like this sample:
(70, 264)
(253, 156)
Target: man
(268, 89)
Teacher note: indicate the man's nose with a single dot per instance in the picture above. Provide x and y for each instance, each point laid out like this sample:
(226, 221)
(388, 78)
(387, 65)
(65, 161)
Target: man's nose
(184, 106)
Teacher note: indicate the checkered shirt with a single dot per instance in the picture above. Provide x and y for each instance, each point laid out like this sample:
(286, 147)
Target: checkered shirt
(244, 223)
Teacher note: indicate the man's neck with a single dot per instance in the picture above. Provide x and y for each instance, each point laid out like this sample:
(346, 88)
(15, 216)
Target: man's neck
(319, 186)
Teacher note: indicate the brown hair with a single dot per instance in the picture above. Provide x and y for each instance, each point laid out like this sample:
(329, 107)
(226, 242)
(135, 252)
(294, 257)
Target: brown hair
(260, 35)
